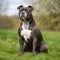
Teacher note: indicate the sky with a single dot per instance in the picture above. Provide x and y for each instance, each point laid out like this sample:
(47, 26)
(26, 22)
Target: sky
(12, 6)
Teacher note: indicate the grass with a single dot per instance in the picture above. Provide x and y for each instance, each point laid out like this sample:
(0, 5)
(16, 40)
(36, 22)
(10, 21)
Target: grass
(9, 46)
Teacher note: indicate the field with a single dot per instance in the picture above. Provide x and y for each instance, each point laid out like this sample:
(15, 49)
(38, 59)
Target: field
(9, 46)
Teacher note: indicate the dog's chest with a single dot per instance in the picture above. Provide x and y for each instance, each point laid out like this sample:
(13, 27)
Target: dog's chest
(25, 32)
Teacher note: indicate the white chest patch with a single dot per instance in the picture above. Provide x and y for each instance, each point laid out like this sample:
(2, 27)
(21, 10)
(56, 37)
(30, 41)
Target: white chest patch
(26, 33)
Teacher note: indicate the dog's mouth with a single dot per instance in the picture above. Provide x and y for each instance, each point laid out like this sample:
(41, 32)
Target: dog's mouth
(23, 17)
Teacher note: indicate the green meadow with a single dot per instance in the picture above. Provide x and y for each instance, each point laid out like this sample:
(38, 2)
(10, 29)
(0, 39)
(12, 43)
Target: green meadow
(9, 46)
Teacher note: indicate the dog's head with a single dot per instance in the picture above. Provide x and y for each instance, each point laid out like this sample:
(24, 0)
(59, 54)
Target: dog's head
(25, 13)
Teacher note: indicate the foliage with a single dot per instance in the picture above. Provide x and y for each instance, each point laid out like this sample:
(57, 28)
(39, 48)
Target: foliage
(9, 46)
(47, 12)
(8, 22)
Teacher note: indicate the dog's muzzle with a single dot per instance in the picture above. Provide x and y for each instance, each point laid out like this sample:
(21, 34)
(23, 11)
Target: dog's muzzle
(23, 15)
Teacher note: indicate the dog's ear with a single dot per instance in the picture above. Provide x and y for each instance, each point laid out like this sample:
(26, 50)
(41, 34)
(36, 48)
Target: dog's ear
(19, 7)
(31, 8)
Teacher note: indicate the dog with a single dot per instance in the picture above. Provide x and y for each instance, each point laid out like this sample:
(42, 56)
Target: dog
(29, 32)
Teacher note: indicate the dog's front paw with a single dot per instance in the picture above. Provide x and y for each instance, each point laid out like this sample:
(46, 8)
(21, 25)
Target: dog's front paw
(21, 53)
(33, 53)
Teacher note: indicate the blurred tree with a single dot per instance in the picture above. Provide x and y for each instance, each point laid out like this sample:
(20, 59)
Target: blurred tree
(48, 5)
(9, 22)
(47, 13)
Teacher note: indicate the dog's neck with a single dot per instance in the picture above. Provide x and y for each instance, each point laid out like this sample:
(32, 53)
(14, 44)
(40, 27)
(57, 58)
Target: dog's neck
(25, 25)
(28, 24)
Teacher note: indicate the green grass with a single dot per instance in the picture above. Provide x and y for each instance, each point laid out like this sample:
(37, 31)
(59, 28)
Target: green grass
(9, 46)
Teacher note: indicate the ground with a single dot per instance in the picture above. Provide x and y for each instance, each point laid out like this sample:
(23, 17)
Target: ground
(9, 46)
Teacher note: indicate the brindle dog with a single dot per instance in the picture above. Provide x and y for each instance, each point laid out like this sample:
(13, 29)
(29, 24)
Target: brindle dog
(29, 32)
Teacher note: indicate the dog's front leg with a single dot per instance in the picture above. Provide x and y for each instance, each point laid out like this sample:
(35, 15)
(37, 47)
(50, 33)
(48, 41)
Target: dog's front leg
(21, 46)
(34, 46)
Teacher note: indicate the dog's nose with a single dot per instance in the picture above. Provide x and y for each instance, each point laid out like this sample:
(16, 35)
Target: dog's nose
(23, 13)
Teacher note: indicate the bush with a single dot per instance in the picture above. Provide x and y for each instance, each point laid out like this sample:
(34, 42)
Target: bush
(8, 22)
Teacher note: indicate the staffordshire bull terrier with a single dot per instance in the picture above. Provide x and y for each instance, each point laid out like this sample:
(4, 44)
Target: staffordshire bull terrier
(29, 32)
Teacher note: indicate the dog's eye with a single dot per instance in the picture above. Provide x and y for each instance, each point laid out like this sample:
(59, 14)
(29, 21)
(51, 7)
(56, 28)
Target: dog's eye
(22, 9)
(27, 12)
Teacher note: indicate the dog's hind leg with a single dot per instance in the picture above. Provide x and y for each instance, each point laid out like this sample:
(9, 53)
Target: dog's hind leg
(43, 47)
